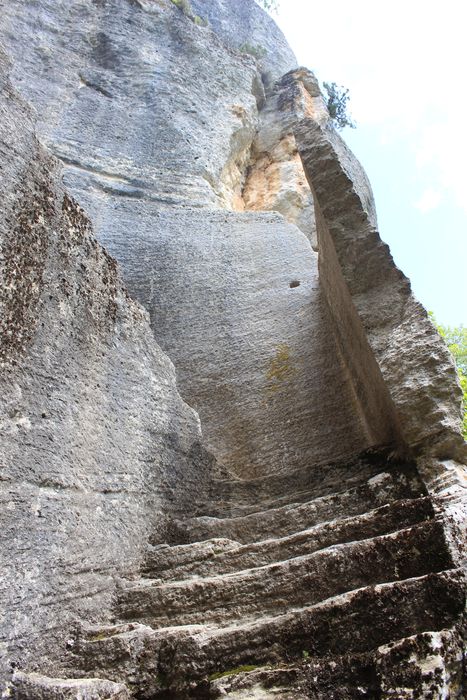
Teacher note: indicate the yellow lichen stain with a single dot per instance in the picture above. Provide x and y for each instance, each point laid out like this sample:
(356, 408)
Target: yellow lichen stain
(239, 112)
(280, 367)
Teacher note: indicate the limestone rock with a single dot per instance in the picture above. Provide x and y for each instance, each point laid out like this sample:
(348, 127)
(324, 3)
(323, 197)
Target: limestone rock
(169, 112)
(243, 24)
(277, 342)
(375, 305)
(29, 686)
(323, 553)
(319, 621)
(95, 439)
(276, 180)
(235, 302)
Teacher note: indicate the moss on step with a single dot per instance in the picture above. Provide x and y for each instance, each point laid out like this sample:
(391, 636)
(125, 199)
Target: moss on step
(233, 672)
(104, 634)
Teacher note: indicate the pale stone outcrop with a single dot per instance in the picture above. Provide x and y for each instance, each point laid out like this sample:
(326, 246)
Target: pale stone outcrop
(275, 179)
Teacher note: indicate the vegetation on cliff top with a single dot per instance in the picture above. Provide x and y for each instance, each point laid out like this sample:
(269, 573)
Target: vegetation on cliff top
(270, 5)
(456, 340)
(338, 98)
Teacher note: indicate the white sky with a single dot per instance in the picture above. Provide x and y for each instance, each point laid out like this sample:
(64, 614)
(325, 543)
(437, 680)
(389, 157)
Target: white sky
(404, 63)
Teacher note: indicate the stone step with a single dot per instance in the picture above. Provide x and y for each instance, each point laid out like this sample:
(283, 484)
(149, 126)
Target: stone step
(351, 623)
(32, 686)
(425, 665)
(381, 489)
(300, 581)
(218, 556)
(241, 496)
(354, 622)
(278, 682)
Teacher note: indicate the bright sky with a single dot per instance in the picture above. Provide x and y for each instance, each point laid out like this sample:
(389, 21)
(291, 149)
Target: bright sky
(404, 63)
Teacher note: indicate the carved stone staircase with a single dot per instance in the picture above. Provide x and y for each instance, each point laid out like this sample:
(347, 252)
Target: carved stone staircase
(293, 581)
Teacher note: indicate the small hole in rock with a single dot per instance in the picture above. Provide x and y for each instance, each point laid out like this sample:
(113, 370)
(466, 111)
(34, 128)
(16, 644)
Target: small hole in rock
(294, 283)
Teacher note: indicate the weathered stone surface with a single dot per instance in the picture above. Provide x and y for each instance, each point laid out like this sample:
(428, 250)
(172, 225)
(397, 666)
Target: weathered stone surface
(95, 438)
(132, 161)
(253, 629)
(243, 23)
(303, 565)
(33, 686)
(423, 666)
(276, 180)
(235, 302)
(169, 112)
(446, 482)
(371, 301)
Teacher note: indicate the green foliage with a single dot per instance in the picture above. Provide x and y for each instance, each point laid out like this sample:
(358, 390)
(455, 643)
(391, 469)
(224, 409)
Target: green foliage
(456, 340)
(269, 5)
(305, 655)
(338, 97)
(257, 51)
(184, 6)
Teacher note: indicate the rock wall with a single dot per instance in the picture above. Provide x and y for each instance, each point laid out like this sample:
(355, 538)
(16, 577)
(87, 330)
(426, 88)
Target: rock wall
(375, 309)
(98, 449)
(324, 549)
(150, 86)
(236, 303)
(172, 122)
(244, 24)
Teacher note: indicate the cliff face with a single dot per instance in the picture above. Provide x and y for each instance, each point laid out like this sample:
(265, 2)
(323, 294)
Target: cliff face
(312, 523)
(96, 440)
(174, 130)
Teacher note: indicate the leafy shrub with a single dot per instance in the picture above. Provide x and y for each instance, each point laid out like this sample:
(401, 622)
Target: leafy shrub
(456, 340)
(338, 97)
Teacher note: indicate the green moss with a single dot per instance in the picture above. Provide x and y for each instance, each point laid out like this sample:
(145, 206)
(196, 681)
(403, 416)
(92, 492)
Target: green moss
(105, 634)
(185, 7)
(253, 50)
(233, 672)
